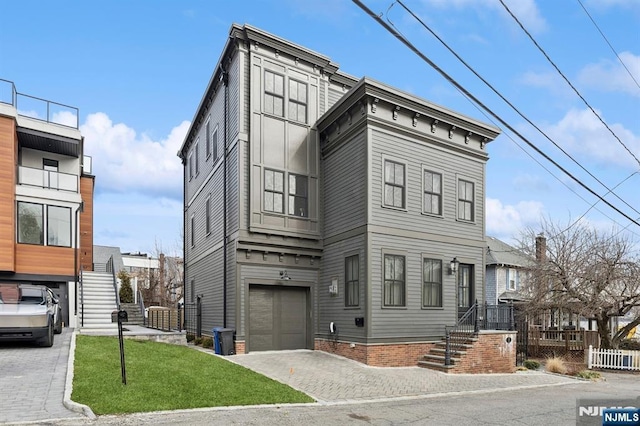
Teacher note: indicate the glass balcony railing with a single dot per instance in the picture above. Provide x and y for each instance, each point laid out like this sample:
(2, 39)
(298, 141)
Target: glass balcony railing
(47, 179)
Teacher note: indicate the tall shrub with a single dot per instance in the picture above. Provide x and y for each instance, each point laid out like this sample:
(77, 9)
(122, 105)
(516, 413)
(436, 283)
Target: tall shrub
(126, 292)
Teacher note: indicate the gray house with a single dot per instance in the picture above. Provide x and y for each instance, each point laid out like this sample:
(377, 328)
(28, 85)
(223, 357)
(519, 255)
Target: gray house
(505, 274)
(327, 212)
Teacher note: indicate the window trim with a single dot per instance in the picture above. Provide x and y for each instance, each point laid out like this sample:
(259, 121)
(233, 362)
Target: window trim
(347, 257)
(426, 169)
(297, 102)
(207, 136)
(42, 224)
(296, 196)
(265, 190)
(426, 257)
(460, 179)
(384, 183)
(265, 92)
(196, 150)
(193, 230)
(48, 215)
(393, 253)
(207, 214)
(190, 166)
(214, 143)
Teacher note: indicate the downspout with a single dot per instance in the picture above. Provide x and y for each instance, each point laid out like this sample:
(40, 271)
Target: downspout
(225, 81)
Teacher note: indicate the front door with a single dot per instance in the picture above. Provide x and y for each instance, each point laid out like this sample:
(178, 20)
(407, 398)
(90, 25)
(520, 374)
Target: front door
(465, 288)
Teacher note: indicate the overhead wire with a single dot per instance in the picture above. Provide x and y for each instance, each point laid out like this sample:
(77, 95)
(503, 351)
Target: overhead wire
(452, 81)
(544, 53)
(607, 40)
(501, 96)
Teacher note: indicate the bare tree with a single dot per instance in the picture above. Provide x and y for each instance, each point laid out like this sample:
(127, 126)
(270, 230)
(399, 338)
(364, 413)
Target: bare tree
(585, 272)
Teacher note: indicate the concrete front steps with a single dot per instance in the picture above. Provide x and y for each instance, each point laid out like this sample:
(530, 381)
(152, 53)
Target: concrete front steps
(99, 301)
(435, 359)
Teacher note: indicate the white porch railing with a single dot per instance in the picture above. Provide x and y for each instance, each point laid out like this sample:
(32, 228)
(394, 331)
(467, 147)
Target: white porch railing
(613, 358)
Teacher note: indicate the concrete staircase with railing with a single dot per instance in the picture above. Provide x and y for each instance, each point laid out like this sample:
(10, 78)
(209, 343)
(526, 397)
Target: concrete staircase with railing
(98, 301)
(435, 359)
(133, 313)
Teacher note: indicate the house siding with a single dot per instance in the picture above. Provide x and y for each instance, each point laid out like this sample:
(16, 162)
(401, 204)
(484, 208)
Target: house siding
(491, 295)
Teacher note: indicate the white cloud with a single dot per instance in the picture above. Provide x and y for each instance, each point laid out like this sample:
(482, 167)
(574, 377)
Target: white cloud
(580, 131)
(507, 221)
(65, 117)
(611, 76)
(526, 10)
(124, 161)
(604, 4)
(528, 182)
(546, 80)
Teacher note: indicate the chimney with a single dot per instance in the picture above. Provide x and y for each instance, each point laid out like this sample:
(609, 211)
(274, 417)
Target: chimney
(541, 248)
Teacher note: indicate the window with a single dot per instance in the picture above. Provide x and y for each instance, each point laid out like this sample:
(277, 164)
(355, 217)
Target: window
(512, 277)
(190, 166)
(214, 141)
(30, 223)
(465, 200)
(431, 283)
(273, 191)
(193, 230)
(351, 281)
(58, 226)
(297, 101)
(394, 280)
(274, 93)
(432, 193)
(465, 285)
(394, 184)
(208, 139)
(298, 195)
(197, 155)
(207, 212)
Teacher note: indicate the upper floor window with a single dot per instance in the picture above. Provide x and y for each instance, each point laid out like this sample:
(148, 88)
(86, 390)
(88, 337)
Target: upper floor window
(298, 195)
(273, 191)
(33, 223)
(273, 93)
(207, 213)
(297, 101)
(394, 184)
(193, 230)
(431, 282)
(190, 166)
(214, 142)
(394, 280)
(351, 281)
(466, 200)
(432, 202)
(208, 139)
(196, 154)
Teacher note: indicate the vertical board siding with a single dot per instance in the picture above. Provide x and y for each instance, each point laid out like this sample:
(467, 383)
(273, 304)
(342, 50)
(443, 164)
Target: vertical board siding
(413, 320)
(8, 162)
(415, 155)
(332, 308)
(345, 188)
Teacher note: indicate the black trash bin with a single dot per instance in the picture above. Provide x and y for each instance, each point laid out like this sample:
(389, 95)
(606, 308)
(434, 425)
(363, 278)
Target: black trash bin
(223, 341)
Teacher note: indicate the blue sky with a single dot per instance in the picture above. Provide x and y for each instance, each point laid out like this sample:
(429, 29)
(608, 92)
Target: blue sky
(137, 71)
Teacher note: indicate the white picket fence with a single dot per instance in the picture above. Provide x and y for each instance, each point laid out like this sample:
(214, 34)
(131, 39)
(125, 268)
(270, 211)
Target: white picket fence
(613, 358)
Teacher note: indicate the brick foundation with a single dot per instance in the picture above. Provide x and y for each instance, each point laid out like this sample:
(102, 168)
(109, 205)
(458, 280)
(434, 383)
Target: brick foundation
(490, 354)
(240, 348)
(378, 355)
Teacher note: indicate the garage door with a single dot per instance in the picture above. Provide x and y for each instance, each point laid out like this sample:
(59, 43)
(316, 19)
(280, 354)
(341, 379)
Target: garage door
(277, 318)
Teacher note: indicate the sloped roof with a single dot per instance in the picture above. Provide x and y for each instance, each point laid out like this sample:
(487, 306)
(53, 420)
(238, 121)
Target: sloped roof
(501, 253)
(101, 255)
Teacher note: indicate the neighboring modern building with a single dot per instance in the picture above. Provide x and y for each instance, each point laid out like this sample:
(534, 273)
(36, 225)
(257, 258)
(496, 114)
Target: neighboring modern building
(328, 212)
(506, 272)
(46, 193)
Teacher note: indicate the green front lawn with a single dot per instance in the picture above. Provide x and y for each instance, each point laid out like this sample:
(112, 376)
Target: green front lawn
(166, 377)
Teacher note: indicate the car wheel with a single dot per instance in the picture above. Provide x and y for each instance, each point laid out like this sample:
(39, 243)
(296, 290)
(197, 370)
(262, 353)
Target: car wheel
(58, 328)
(47, 341)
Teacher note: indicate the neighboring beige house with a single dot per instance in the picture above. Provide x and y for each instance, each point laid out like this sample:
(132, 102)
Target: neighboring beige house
(329, 212)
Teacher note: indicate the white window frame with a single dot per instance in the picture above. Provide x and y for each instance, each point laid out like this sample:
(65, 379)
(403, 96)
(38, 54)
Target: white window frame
(404, 187)
(297, 102)
(207, 128)
(426, 169)
(459, 213)
(274, 191)
(207, 214)
(266, 93)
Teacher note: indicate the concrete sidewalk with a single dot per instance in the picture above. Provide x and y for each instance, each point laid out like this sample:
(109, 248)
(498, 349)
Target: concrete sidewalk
(331, 379)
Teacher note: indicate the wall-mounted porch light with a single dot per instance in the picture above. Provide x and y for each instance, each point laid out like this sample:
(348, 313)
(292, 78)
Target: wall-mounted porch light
(453, 266)
(284, 275)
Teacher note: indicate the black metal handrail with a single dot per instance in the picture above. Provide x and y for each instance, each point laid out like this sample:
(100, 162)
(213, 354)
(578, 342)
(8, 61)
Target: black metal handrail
(110, 268)
(487, 317)
(81, 297)
(141, 306)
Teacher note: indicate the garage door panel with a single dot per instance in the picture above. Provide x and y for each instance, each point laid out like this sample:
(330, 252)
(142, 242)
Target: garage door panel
(277, 318)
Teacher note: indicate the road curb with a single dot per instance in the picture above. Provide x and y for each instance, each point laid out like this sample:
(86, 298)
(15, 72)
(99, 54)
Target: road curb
(68, 388)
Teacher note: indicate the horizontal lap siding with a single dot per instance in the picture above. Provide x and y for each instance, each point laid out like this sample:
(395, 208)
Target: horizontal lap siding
(332, 308)
(413, 320)
(334, 93)
(208, 277)
(344, 184)
(416, 155)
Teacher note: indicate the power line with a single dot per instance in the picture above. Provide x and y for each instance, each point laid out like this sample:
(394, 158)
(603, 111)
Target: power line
(567, 80)
(520, 113)
(422, 56)
(607, 40)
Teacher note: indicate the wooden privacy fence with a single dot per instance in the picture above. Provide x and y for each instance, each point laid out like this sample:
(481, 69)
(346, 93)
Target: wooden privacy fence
(549, 343)
(613, 358)
(165, 319)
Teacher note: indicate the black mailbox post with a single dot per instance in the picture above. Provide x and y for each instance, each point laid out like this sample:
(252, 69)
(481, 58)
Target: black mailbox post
(120, 317)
